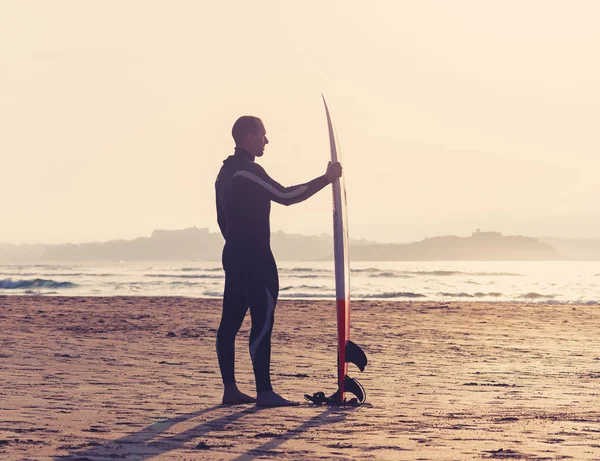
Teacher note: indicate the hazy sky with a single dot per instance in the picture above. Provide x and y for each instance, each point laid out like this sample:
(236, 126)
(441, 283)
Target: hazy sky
(115, 115)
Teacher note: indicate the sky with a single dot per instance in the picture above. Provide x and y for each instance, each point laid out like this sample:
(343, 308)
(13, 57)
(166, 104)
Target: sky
(115, 116)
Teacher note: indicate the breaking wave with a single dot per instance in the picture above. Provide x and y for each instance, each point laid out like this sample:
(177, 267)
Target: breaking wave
(305, 295)
(467, 295)
(372, 272)
(304, 287)
(186, 276)
(393, 294)
(474, 274)
(304, 270)
(10, 284)
(305, 276)
(536, 296)
(195, 269)
(391, 274)
(78, 274)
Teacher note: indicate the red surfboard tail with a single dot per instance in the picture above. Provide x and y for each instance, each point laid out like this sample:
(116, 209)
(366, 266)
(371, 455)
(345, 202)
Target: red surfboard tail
(343, 325)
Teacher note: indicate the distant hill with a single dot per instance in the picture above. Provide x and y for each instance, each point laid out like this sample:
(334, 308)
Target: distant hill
(186, 244)
(203, 245)
(575, 249)
(480, 246)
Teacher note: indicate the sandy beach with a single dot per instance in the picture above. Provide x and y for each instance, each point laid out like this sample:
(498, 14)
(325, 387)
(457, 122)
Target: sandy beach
(137, 378)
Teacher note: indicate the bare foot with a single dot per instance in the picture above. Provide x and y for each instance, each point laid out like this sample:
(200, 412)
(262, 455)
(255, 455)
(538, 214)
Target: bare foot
(271, 399)
(233, 396)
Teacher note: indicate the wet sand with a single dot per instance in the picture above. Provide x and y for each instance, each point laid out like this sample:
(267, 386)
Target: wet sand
(137, 378)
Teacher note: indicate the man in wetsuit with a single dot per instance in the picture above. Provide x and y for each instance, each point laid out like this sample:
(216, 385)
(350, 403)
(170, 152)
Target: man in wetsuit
(244, 194)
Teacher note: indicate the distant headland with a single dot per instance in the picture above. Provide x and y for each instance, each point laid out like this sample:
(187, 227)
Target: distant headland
(200, 244)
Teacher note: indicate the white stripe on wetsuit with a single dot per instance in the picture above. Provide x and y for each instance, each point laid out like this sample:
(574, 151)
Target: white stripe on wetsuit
(266, 326)
(295, 193)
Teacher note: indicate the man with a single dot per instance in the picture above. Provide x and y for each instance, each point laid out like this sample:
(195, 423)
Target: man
(244, 194)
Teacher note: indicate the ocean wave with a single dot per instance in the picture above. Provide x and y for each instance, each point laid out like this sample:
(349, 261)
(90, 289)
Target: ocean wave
(536, 296)
(393, 294)
(565, 302)
(373, 272)
(184, 283)
(305, 270)
(55, 274)
(311, 276)
(384, 274)
(475, 274)
(196, 269)
(304, 287)
(455, 295)
(79, 274)
(40, 266)
(306, 296)
(185, 276)
(10, 284)
(34, 266)
(467, 295)
(390, 274)
(48, 266)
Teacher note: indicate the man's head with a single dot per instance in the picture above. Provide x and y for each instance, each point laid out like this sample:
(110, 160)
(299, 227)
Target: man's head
(249, 133)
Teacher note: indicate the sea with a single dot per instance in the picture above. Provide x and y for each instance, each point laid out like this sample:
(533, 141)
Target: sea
(504, 281)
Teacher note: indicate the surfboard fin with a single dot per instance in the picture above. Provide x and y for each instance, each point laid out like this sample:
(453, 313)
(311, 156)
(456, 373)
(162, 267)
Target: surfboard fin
(354, 387)
(355, 355)
(351, 385)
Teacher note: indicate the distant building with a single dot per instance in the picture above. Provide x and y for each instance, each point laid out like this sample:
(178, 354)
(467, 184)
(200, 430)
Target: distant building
(480, 234)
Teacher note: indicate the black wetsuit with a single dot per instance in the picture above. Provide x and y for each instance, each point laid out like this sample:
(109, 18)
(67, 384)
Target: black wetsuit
(244, 194)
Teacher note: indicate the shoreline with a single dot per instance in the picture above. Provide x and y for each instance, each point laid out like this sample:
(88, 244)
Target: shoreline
(330, 300)
(105, 377)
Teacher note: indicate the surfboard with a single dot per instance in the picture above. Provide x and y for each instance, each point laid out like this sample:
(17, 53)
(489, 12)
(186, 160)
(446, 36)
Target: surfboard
(341, 259)
(348, 352)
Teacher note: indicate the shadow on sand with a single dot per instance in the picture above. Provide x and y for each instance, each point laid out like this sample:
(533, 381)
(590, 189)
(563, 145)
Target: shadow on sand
(330, 416)
(142, 445)
(147, 443)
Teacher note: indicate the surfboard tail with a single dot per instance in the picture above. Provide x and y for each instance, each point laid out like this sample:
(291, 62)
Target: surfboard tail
(343, 325)
(348, 351)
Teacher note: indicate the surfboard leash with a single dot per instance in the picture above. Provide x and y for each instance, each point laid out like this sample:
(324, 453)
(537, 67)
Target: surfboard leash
(351, 385)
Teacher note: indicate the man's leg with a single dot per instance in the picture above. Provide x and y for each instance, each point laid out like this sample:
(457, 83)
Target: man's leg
(262, 309)
(234, 311)
(263, 289)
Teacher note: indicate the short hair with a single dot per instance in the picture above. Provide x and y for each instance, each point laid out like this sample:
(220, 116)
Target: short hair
(243, 126)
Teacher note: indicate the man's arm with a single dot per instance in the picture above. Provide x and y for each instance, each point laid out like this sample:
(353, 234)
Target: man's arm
(293, 194)
(221, 216)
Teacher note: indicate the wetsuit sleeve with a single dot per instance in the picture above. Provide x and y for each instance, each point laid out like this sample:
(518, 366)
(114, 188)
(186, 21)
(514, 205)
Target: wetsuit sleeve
(278, 193)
